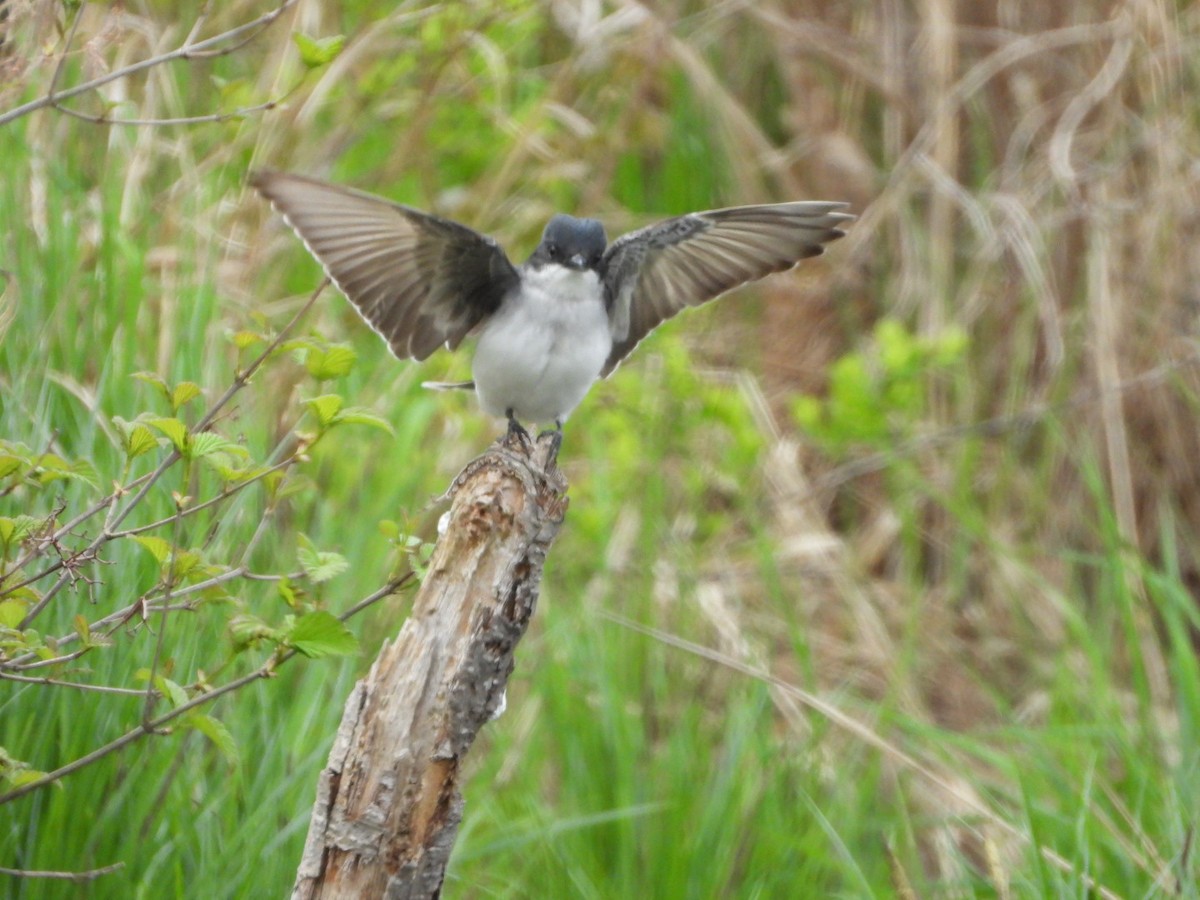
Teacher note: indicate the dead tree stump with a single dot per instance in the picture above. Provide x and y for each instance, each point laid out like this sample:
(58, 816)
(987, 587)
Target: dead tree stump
(388, 802)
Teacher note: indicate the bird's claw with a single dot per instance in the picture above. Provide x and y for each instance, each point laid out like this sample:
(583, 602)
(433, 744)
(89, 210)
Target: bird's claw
(556, 434)
(516, 432)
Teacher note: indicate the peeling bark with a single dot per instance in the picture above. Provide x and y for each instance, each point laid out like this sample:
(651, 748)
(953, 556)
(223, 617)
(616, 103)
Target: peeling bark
(388, 802)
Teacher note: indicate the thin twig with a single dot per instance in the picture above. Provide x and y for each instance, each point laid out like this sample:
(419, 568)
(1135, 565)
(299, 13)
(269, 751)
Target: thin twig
(155, 726)
(86, 875)
(101, 539)
(62, 57)
(64, 530)
(225, 494)
(243, 378)
(116, 518)
(260, 531)
(152, 695)
(146, 604)
(371, 599)
(56, 682)
(201, 18)
(240, 113)
(205, 49)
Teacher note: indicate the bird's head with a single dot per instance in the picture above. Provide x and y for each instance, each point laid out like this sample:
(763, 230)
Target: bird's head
(575, 243)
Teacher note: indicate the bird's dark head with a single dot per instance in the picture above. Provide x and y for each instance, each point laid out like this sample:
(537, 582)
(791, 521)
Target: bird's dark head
(574, 243)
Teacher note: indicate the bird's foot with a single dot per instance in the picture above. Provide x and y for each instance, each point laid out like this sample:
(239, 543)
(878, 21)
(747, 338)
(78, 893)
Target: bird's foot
(516, 432)
(556, 434)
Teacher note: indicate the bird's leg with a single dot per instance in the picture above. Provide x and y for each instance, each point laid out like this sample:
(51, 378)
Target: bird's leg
(514, 428)
(557, 434)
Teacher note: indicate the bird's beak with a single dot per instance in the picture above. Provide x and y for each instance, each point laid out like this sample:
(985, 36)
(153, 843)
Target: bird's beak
(578, 261)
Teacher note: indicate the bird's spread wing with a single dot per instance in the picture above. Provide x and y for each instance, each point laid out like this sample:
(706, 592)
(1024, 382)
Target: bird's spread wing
(652, 274)
(418, 280)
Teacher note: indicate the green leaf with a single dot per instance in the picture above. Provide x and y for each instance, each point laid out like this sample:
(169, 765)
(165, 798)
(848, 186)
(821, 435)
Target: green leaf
(26, 592)
(174, 693)
(416, 551)
(333, 362)
(360, 415)
(319, 565)
(317, 52)
(299, 344)
(173, 562)
(139, 440)
(10, 464)
(25, 776)
(320, 634)
(29, 640)
(175, 431)
(156, 546)
(16, 529)
(224, 466)
(215, 731)
(83, 470)
(16, 771)
(185, 563)
(207, 443)
(184, 393)
(244, 339)
(53, 467)
(216, 593)
(325, 408)
(12, 612)
(287, 592)
(156, 380)
(248, 631)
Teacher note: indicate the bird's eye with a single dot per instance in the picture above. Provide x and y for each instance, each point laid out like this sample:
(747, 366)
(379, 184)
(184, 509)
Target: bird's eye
(552, 248)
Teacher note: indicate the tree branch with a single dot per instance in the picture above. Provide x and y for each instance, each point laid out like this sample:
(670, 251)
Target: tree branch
(389, 802)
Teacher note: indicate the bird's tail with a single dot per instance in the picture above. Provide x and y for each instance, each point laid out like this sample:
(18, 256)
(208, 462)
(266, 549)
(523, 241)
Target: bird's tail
(449, 385)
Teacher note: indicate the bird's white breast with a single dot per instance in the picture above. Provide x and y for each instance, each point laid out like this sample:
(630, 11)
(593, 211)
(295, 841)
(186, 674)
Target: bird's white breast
(544, 347)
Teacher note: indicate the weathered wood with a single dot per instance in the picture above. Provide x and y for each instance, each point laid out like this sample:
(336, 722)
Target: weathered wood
(388, 802)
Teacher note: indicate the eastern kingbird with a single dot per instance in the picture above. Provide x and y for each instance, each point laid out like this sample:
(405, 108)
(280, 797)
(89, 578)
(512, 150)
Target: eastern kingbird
(568, 315)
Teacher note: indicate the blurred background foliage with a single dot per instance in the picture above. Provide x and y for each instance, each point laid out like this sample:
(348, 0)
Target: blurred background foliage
(942, 479)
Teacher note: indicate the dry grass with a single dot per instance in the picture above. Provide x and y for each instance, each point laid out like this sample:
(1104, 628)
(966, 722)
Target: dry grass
(1027, 173)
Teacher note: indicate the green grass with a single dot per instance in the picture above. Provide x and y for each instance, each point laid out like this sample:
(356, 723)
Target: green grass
(1017, 647)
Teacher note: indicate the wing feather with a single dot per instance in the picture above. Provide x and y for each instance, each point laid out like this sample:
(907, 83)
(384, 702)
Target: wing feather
(652, 274)
(418, 280)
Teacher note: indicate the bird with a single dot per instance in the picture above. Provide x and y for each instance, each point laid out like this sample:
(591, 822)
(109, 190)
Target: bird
(549, 328)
